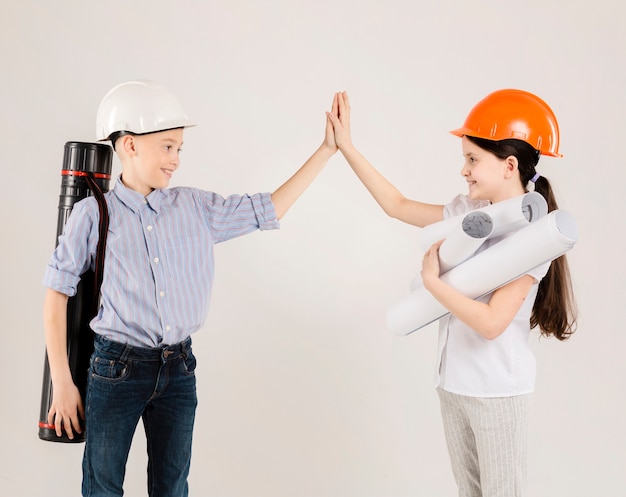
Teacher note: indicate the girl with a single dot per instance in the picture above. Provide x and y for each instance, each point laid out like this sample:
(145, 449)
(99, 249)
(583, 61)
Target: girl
(485, 368)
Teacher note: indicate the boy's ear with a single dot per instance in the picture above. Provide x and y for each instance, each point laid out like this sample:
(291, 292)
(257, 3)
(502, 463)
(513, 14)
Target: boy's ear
(127, 145)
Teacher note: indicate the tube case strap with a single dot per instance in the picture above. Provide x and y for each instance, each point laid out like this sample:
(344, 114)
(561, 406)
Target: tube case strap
(103, 229)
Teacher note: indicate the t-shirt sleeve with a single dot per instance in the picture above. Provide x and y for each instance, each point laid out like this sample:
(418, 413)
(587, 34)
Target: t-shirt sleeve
(540, 271)
(462, 204)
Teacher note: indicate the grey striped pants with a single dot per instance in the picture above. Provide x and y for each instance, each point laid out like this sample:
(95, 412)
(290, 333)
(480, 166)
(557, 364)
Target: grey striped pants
(487, 443)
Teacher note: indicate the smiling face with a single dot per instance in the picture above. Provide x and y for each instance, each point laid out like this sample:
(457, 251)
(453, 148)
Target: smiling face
(149, 161)
(487, 176)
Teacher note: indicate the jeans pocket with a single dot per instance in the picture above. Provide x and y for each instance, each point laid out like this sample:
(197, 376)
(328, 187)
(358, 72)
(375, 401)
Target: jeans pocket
(189, 363)
(109, 369)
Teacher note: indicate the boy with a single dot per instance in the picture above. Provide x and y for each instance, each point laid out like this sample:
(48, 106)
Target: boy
(155, 292)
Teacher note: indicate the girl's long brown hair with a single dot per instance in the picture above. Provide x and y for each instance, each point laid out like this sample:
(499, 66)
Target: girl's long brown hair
(554, 311)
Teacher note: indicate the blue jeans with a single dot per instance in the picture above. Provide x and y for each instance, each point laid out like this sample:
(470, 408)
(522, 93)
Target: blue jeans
(127, 383)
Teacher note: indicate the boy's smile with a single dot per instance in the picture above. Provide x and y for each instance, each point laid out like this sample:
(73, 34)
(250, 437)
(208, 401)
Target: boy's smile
(149, 161)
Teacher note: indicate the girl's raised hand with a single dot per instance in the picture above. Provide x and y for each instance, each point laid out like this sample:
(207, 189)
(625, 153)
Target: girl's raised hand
(340, 118)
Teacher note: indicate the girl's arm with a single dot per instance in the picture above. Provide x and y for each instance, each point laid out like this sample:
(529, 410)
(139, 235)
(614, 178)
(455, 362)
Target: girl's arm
(284, 197)
(67, 405)
(388, 196)
(487, 319)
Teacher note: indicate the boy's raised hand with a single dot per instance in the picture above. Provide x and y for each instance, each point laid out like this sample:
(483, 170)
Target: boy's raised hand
(286, 194)
(329, 138)
(340, 118)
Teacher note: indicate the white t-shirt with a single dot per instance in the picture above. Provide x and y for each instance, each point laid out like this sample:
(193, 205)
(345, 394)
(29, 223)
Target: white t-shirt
(469, 364)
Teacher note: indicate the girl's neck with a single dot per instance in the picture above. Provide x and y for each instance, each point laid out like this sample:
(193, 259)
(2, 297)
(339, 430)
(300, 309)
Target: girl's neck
(505, 195)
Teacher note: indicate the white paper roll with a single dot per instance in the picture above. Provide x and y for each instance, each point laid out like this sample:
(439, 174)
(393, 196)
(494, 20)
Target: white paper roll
(539, 242)
(508, 215)
(461, 243)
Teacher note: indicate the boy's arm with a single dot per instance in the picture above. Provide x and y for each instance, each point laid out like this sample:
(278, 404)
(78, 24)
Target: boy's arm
(388, 196)
(66, 409)
(286, 194)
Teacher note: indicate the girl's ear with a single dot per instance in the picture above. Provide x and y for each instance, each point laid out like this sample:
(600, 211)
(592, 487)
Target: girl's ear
(511, 164)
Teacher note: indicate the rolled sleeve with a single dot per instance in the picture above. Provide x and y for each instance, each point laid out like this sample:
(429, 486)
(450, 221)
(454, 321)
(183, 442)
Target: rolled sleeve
(61, 281)
(76, 249)
(238, 215)
(265, 211)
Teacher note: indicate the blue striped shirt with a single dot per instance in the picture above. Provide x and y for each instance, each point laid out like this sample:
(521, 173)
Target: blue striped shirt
(159, 262)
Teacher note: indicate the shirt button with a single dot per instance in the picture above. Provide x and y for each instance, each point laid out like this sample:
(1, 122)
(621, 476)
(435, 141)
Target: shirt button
(156, 260)
(149, 228)
(168, 328)
(162, 293)
(145, 200)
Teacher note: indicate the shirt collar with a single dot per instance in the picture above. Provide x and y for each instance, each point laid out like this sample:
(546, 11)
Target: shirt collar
(135, 200)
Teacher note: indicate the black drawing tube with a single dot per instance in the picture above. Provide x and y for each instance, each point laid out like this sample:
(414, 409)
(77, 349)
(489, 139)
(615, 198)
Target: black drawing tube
(79, 160)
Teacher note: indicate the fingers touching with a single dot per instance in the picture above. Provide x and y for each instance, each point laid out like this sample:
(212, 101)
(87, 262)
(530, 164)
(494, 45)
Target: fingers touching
(339, 116)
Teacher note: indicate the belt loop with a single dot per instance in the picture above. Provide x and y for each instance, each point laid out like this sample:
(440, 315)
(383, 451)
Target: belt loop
(186, 347)
(127, 349)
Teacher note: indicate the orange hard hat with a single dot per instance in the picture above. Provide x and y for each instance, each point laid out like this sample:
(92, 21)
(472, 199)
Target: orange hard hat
(515, 114)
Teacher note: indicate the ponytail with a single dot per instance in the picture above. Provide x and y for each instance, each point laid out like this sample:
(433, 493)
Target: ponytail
(554, 310)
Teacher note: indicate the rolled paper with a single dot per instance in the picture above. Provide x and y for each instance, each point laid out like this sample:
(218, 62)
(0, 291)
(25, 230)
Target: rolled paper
(529, 208)
(542, 241)
(462, 242)
(508, 215)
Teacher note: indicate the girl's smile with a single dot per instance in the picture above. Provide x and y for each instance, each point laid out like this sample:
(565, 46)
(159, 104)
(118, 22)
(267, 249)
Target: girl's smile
(487, 176)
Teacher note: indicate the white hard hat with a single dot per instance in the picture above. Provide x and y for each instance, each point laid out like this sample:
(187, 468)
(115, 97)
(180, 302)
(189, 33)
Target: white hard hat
(139, 107)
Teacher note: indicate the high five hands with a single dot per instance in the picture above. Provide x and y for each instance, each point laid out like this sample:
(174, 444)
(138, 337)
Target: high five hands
(339, 117)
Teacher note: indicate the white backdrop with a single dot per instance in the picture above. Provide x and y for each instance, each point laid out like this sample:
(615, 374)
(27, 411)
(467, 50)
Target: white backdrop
(303, 391)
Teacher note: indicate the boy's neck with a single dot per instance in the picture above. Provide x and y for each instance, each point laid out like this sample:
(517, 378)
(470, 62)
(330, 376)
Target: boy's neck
(144, 192)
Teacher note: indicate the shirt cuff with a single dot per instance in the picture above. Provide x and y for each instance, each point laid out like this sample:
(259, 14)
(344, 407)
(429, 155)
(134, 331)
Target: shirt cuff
(60, 281)
(265, 212)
